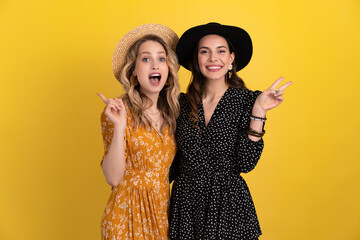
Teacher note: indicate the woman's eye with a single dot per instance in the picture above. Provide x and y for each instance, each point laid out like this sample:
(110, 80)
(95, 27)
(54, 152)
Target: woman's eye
(203, 51)
(162, 59)
(222, 51)
(146, 59)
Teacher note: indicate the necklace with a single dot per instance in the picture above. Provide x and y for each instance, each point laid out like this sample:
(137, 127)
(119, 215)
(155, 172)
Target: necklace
(152, 118)
(156, 123)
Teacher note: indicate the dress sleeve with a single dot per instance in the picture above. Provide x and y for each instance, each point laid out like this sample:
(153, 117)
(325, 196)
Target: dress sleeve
(107, 130)
(249, 152)
(175, 167)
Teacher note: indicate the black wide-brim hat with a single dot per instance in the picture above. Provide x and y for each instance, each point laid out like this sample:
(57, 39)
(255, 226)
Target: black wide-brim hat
(238, 37)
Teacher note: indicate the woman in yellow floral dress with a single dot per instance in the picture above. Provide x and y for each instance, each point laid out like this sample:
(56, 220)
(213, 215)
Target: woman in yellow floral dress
(138, 132)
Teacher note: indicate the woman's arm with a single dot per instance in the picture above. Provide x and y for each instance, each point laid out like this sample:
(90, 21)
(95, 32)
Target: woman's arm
(248, 153)
(113, 164)
(267, 100)
(249, 149)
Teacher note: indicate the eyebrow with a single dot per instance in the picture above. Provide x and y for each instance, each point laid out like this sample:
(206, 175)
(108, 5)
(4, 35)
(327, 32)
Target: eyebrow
(216, 47)
(150, 53)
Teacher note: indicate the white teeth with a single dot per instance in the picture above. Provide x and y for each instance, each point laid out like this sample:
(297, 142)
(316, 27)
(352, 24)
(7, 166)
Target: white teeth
(213, 67)
(155, 75)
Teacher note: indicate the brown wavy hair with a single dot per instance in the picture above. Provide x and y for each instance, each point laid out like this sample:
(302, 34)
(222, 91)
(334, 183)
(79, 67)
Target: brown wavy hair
(167, 103)
(197, 82)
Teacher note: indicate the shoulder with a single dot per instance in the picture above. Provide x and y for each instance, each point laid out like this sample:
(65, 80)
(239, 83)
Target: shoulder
(185, 106)
(183, 97)
(244, 94)
(183, 100)
(241, 100)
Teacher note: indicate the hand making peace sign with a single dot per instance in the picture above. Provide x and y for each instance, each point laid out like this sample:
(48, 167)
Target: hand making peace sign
(271, 97)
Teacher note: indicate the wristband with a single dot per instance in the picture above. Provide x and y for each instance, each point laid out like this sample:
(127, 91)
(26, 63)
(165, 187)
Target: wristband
(254, 133)
(252, 117)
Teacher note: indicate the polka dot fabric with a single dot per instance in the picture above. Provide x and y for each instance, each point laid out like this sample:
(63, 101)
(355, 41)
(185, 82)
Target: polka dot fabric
(210, 200)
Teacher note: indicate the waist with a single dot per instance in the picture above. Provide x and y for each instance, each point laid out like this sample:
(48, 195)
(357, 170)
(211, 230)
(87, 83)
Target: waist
(144, 178)
(210, 173)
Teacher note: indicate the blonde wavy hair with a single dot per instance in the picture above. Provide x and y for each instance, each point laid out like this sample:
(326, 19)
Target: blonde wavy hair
(167, 103)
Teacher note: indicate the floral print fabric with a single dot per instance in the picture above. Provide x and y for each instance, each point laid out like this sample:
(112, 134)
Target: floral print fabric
(138, 206)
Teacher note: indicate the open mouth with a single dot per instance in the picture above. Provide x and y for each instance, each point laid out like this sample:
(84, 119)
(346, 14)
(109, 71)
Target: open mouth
(155, 77)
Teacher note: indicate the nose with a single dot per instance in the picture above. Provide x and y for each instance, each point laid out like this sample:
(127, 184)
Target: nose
(213, 57)
(155, 66)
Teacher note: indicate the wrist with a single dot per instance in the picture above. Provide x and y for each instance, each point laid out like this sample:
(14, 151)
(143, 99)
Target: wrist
(119, 128)
(258, 112)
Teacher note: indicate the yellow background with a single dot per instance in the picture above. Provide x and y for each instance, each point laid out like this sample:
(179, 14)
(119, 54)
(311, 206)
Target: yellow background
(56, 55)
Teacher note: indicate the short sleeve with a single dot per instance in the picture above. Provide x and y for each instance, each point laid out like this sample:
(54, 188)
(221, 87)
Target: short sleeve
(107, 130)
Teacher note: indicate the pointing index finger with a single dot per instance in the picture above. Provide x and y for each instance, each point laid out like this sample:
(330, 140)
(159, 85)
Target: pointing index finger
(105, 100)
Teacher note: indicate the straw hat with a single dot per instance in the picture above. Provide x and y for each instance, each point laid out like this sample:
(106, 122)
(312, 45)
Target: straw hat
(238, 37)
(165, 33)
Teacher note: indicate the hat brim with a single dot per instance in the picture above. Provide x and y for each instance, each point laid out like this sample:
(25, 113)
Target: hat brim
(238, 37)
(164, 32)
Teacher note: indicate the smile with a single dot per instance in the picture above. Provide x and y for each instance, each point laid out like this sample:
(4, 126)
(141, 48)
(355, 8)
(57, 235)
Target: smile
(213, 68)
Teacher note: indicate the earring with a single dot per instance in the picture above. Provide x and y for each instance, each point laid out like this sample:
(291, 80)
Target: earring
(133, 80)
(229, 72)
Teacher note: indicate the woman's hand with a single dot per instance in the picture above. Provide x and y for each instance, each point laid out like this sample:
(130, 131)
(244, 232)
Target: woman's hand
(115, 111)
(270, 98)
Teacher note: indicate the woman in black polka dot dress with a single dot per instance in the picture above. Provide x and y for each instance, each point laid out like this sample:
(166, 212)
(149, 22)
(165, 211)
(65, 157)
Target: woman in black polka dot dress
(219, 135)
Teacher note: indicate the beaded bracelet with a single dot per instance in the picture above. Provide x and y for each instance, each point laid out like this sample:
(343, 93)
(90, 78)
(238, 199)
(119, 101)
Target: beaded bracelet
(254, 133)
(252, 117)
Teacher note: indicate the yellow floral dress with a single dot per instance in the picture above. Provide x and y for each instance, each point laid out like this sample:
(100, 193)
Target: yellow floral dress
(138, 206)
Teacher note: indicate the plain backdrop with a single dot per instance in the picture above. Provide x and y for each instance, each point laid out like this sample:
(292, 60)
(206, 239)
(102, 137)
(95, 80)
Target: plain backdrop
(56, 55)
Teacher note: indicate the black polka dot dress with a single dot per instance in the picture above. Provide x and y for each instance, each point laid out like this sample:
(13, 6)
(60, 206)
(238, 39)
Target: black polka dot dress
(210, 199)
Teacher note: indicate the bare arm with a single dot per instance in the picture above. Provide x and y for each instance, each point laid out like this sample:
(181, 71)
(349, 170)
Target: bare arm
(113, 164)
